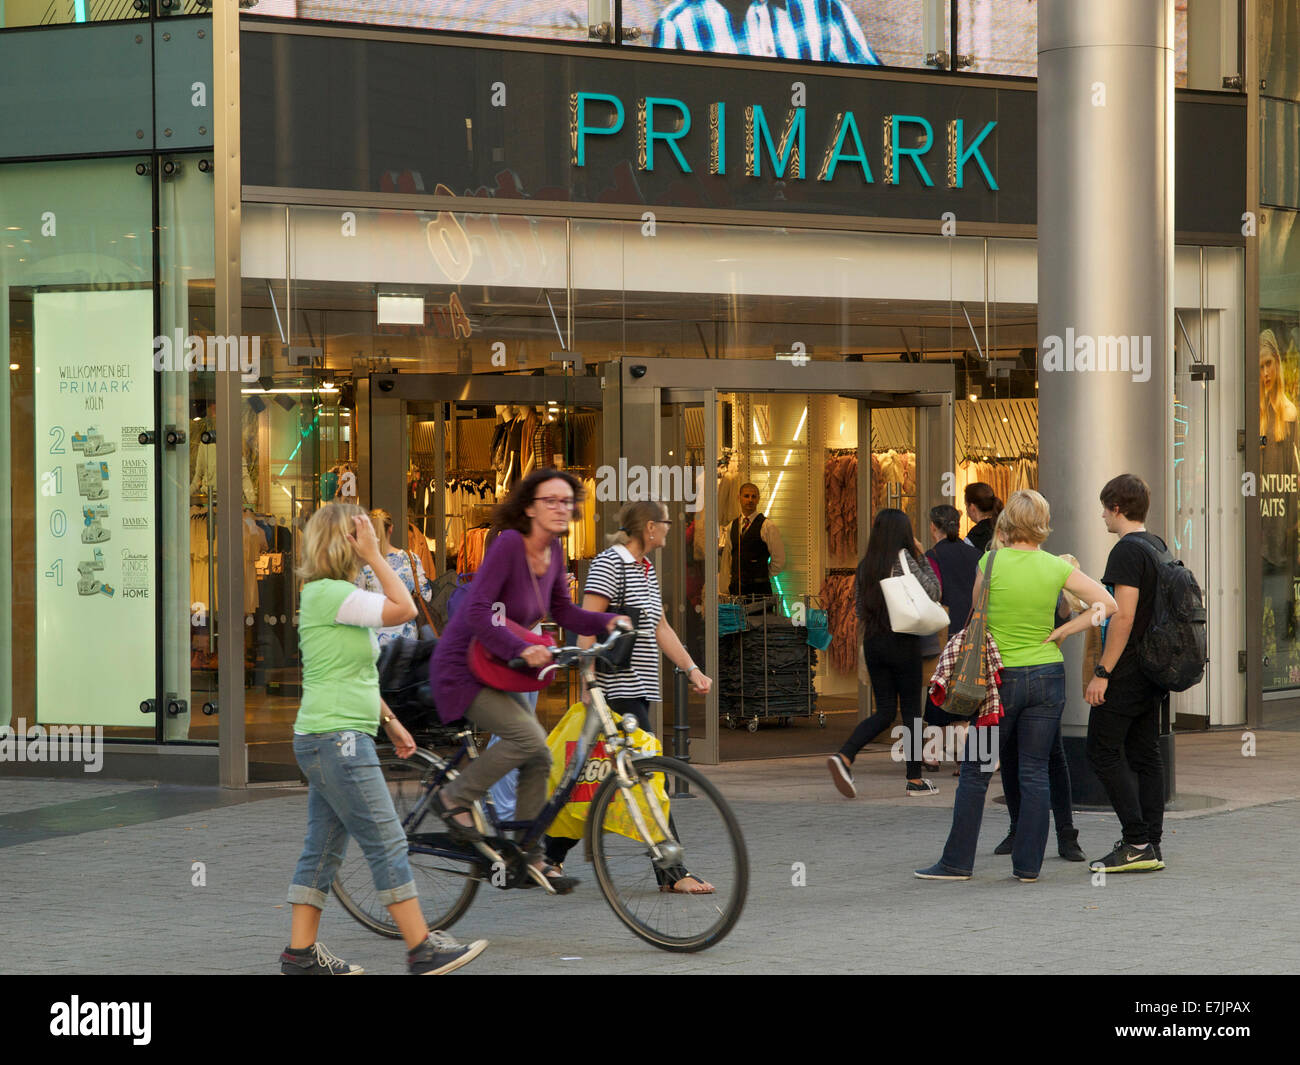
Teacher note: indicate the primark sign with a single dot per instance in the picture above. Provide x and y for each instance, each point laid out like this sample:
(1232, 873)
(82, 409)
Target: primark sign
(790, 145)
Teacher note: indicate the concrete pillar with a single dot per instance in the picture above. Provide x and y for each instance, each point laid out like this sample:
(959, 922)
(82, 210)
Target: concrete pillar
(1105, 270)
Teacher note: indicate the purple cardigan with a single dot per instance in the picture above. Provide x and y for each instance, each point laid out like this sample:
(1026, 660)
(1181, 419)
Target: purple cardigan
(502, 578)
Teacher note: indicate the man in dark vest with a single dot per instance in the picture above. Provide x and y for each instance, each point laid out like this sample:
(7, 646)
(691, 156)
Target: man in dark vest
(752, 551)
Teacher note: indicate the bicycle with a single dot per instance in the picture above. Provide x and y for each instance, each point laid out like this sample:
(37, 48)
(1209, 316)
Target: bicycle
(449, 874)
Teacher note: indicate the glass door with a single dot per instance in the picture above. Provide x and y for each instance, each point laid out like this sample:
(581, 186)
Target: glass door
(685, 460)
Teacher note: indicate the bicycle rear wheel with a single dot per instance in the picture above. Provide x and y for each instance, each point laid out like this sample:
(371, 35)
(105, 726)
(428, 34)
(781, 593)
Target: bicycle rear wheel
(445, 886)
(713, 849)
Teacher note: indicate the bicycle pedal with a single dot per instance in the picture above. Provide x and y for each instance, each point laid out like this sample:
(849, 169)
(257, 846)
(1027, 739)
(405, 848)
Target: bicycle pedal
(541, 878)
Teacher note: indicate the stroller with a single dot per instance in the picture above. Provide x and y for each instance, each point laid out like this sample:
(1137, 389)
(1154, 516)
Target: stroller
(404, 684)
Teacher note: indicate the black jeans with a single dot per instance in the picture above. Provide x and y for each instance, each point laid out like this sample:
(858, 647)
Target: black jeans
(894, 662)
(558, 847)
(1058, 779)
(1126, 729)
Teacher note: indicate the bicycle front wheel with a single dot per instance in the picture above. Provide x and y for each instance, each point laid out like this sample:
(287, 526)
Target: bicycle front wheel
(446, 887)
(712, 849)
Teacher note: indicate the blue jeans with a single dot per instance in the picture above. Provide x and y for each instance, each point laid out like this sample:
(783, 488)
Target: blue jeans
(347, 796)
(1033, 698)
(1058, 779)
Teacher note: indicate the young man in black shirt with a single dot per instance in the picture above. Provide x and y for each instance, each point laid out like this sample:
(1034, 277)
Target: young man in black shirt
(1124, 722)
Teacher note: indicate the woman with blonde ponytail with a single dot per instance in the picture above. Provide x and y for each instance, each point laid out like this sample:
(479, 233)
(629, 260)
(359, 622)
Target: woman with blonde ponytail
(341, 710)
(620, 577)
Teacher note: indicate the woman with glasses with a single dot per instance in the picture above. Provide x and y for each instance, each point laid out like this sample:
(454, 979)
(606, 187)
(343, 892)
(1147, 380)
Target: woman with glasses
(522, 579)
(622, 577)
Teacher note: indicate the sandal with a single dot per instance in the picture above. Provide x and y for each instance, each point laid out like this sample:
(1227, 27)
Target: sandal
(705, 888)
(458, 832)
(554, 876)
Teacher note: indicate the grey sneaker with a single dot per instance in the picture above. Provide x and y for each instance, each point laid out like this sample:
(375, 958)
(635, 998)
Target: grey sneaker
(440, 954)
(842, 776)
(315, 960)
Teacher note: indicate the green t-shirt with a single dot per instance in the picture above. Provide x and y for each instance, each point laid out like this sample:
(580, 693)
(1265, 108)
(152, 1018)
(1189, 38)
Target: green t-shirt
(1022, 604)
(340, 685)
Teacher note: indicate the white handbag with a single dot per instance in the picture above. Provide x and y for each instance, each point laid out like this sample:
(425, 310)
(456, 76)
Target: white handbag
(911, 610)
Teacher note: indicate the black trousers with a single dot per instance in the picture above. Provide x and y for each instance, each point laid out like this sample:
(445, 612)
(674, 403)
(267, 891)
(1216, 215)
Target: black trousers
(894, 662)
(1124, 752)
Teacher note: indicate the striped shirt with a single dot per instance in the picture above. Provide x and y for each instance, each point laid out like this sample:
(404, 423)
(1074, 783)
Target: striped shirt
(824, 30)
(625, 582)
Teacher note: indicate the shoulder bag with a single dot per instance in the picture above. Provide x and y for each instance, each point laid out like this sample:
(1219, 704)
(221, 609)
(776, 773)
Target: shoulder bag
(620, 658)
(968, 685)
(420, 604)
(911, 610)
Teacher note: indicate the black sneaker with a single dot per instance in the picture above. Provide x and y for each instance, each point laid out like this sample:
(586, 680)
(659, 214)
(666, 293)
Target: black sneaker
(1160, 861)
(315, 960)
(440, 954)
(1006, 846)
(1126, 858)
(921, 787)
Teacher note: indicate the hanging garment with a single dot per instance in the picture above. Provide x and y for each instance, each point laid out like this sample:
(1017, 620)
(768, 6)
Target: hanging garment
(838, 596)
(254, 545)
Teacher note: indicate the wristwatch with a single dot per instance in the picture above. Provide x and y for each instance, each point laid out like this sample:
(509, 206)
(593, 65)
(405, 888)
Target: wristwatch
(385, 720)
(1101, 671)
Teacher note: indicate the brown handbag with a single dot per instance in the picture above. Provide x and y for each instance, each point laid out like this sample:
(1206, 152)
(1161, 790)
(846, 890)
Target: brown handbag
(969, 683)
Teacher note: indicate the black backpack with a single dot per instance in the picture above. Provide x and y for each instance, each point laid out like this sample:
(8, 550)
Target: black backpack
(1172, 651)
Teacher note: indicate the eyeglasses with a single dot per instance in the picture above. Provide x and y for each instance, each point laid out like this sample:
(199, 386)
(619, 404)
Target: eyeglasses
(556, 502)
(656, 521)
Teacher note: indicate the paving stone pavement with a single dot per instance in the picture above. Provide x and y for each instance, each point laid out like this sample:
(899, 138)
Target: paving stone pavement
(120, 899)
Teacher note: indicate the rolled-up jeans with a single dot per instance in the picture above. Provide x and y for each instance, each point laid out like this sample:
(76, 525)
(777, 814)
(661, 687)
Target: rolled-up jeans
(347, 796)
(1033, 698)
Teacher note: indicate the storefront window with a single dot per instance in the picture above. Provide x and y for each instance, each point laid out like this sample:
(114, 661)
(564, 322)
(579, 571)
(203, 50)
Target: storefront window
(16, 13)
(76, 317)
(191, 625)
(1278, 352)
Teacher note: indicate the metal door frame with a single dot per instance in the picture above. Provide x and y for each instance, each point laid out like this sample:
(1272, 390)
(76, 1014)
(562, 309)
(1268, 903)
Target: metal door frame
(646, 384)
(392, 397)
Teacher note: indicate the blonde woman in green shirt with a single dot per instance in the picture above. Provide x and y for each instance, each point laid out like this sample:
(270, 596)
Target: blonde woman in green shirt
(1024, 586)
(341, 710)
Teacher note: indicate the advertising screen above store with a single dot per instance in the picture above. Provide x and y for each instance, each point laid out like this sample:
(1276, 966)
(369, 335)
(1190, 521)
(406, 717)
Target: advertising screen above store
(992, 38)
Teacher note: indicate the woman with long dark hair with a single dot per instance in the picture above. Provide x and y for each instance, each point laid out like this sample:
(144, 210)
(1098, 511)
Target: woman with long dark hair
(982, 507)
(521, 579)
(893, 658)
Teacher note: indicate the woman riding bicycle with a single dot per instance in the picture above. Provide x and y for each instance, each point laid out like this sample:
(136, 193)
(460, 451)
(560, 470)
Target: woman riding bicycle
(521, 579)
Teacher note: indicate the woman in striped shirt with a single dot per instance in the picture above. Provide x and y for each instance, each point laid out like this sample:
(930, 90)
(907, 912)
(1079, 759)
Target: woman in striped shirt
(623, 576)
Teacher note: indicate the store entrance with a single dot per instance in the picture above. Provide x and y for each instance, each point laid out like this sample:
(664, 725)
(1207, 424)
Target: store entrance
(446, 448)
(783, 654)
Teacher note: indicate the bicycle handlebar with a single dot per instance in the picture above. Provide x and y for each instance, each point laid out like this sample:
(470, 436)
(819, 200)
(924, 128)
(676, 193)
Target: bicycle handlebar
(567, 656)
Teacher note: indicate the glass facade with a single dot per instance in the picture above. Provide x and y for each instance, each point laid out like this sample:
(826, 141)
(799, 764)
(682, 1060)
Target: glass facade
(392, 350)
(1278, 349)
(106, 280)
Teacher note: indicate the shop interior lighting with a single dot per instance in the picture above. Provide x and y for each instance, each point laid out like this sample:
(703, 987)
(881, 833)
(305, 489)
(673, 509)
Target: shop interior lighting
(13, 366)
(781, 476)
(400, 310)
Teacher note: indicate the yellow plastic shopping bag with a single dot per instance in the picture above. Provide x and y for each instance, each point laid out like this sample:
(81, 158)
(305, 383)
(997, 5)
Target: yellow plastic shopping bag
(572, 820)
